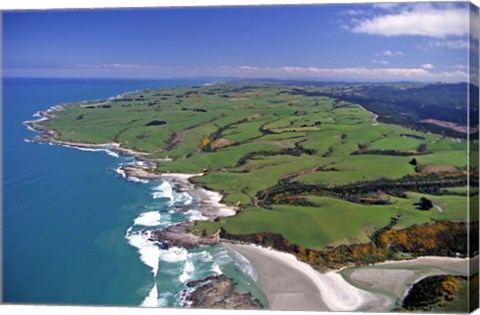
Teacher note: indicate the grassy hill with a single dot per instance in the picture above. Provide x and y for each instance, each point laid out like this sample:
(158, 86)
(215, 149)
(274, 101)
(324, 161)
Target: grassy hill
(255, 140)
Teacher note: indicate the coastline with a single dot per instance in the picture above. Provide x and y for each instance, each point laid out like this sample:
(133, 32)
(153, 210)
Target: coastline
(210, 201)
(299, 287)
(150, 242)
(293, 285)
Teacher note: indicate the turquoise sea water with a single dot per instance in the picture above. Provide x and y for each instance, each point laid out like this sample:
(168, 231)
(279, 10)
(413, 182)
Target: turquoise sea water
(73, 229)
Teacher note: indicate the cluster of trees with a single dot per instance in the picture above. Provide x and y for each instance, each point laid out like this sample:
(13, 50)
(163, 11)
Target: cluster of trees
(170, 143)
(188, 109)
(98, 106)
(290, 199)
(205, 144)
(156, 123)
(432, 292)
(424, 204)
(388, 152)
(298, 150)
(439, 238)
(428, 183)
(407, 135)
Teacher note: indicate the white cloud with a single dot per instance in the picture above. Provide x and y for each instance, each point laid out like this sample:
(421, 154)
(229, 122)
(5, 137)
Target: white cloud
(452, 44)
(422, 73)
(387, 6)
(381, 62)
(418, 20)
(427, 66)
(460, 67)
(114, 66)
(247, 67)
(389, 53)
(357, 71)
(454, 74)
(380, 73)
(353, 12)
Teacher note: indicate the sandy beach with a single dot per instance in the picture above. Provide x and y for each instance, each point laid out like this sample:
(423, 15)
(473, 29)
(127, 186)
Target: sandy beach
(210, 201)
(293, 285)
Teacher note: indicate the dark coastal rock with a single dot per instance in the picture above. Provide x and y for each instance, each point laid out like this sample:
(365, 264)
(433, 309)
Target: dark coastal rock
(137, 172)
(177, 235)
(196, 283)
(218, 291)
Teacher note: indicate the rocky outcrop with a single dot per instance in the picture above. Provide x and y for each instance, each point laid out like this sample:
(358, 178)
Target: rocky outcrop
(177, 236)
(218, 291)
(138, 172)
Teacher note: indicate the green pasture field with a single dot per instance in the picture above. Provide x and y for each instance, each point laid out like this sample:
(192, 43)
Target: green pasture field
(270, 134)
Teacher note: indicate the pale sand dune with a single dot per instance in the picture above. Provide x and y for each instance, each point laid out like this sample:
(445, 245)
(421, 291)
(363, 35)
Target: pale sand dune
(293, 285)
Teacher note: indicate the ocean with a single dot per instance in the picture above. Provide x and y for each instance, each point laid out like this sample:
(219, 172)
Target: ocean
(75, 232)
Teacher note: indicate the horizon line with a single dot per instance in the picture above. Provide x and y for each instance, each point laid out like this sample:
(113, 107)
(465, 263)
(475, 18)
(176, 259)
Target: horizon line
(236, 79)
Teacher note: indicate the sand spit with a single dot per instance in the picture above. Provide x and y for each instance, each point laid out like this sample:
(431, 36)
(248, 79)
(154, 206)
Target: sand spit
(452, 264)
(398, 277)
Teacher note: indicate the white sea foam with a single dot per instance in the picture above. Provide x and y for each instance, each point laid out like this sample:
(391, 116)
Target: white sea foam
(204, 256)
(173, 254)
(164, 190)
(84, 148)
(55, 108)
(112, 153)
(216, 269)
(221, 257)
(195, 215)
(188, 270)
(99, 149)
(162, 300)
(27, 122)
(151, 218)
(152, 298)
(226, 256)
(140, 163)
(121, 172)
(243, 264)
(30, 128)
(186, 198)
(149, 252)
(137, 180)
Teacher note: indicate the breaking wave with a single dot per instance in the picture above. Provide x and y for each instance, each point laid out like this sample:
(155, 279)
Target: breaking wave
(164, 190)
(148, 250)
(151, 218)
(152, 298)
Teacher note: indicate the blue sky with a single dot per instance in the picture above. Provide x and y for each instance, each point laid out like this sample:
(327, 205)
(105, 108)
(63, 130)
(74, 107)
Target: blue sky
(422, 41)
